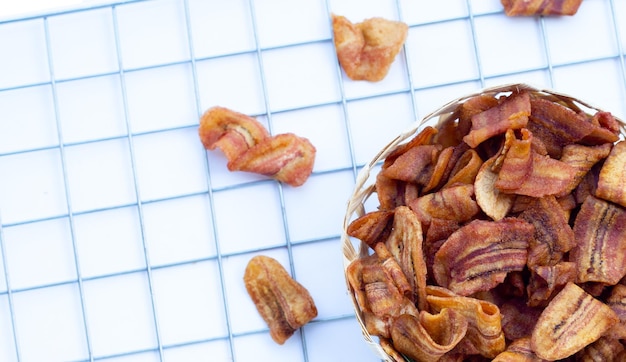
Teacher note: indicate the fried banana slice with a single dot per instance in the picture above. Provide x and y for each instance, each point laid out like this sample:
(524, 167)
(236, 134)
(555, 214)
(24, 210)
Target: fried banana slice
(494, 203)
(372, 227)
(512, 113)
(366, 50)
(248, 146)
(484, 328)
(600, 252)
(612, 181)
(518, 351)
(232, 132)
(452, 203)
(405, 244)
(428, 337)
(572, 320)
(479, 255)
(282, 302)
(540, 7)
(284, 157)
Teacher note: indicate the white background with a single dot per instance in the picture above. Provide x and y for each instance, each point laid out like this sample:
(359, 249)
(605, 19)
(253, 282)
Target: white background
(122, 239)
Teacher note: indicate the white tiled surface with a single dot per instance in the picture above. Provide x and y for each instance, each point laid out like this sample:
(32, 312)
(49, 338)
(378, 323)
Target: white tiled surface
(123, 240)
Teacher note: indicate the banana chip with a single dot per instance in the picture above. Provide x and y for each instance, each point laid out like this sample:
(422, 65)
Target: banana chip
(572, 320)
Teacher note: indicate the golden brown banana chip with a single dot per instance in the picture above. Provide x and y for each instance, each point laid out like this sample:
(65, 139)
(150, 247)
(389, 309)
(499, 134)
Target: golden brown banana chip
(284, 304)
(572, 320)
(612, 182)
(600, 252)
(496, 248)
(428, 337)
(492, 202)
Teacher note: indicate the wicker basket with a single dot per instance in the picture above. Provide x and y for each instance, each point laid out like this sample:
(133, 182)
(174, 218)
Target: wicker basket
(365, 182)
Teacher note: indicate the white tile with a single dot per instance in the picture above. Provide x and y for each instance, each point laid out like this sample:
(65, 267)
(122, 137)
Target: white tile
(420, 12)
(100, 175)
(103, 249)
(152, 356)
(261, 348)
(538, 78)
(31, 186)
(233, 82)
(306, 21)
(219, 351)
(7, 343)
(593, 38)
(620, 17)
(179, 230)
(189, 303)
(486, 6)
(28, 120)
(153, 106)
(395, 80)
(597, 83)
(431, 99)
(39, 253)
(152, 33)
(249, 218)
(170, 164)
(24, 58)
(301, 76)
(322, 347)
(52, 330)
(324, 127)
(323, 195)
(377, 121)
(359, 10)
(119, 314)
(516, 46)
(447, 57)
(326, 285)
(82, 43)
(244, 317)
(91, 109)
(212, 19)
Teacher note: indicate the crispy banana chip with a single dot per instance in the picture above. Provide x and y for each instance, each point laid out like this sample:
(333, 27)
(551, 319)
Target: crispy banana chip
(604, 349)
(582, 159)
(248, 146)
(612, 182)
(367, 49)
(428, 337)
(600, 254)
(405, 244)
(518, 351)
(284, 304)
(466, 168)
(540, 7)
(510, 114)
(372, 227)
(553, 236)
(572, 320)
(452, 203)
(492, 202)
(415, 165)
(496, 248)
(484, 330)
(284, 157)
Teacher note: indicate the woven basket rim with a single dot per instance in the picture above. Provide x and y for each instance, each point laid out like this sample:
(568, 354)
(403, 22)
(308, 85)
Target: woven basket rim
(362, 190)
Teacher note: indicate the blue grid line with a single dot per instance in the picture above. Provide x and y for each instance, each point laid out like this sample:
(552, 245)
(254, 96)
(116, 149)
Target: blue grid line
(66, 186)
(210, 192)
(137, 190)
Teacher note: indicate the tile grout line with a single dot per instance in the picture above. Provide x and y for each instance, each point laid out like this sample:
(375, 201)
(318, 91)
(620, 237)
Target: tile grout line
(66, 184)
(210, 193)
(157, 332)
